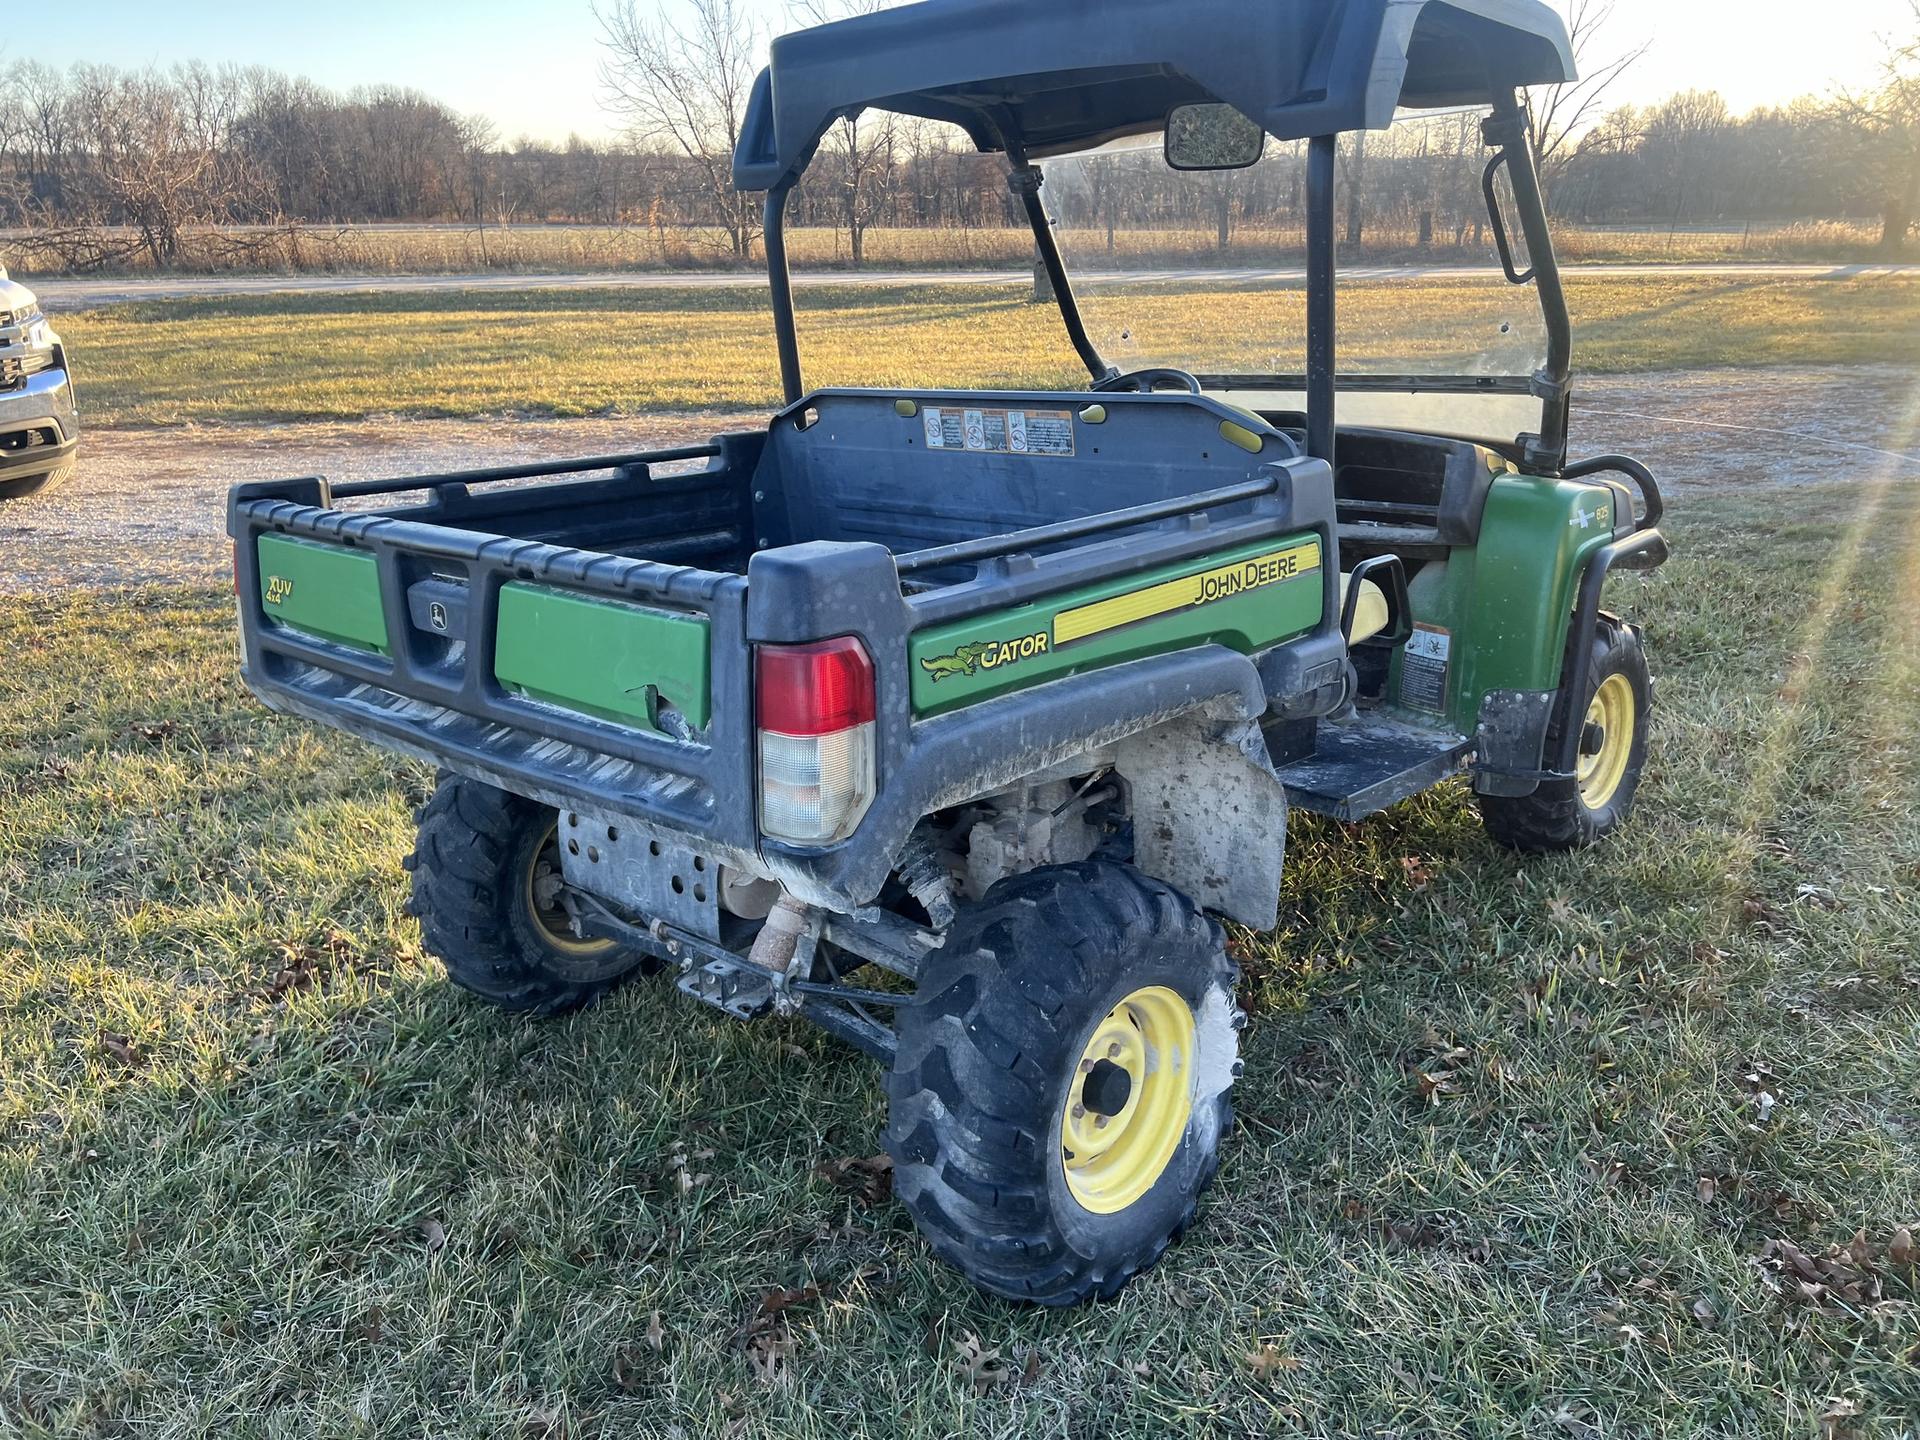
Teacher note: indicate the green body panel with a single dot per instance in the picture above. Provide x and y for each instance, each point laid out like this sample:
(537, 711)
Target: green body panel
(1507, 602)
(984, 656)
(326, 591)
(601, 657)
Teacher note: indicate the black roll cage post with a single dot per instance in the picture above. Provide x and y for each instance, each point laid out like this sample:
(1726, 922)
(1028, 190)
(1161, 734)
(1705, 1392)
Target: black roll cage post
(1322, 309)
(1024, 180)
(786, 331)
(1508, 129)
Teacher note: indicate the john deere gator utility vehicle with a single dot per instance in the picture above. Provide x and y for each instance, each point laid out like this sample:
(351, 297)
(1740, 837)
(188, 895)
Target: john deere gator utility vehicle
(951, 720)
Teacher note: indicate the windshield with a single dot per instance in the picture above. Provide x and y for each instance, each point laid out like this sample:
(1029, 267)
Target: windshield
(1205, 272)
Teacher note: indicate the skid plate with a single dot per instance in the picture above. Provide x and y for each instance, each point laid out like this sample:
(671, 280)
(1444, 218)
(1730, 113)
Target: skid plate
(641, 871)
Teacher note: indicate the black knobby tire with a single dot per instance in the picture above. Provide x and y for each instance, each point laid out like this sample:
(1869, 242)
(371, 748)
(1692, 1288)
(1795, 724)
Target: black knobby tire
(474, 865)
(1560, 816)
(19, 489)
(990, 1051)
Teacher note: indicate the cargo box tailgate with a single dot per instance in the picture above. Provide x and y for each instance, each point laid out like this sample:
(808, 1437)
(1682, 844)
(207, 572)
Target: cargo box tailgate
(578, 675)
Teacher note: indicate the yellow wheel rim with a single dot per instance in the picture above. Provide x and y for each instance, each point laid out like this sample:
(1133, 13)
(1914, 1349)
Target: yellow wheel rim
(1612, 714)
(549, 916)
(1129, 1102)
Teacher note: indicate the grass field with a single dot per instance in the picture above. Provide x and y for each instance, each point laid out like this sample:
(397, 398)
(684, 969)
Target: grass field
(532, 249)
(1518, 1142)
(619, 352)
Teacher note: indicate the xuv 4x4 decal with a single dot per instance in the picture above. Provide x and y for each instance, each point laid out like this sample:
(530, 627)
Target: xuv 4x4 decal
(1249, 599)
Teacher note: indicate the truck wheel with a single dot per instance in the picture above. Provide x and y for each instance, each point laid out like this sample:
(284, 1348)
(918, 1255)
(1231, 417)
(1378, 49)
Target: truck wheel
(34, 484)
(1614, 703)
(1060, 1090)
(486, 870)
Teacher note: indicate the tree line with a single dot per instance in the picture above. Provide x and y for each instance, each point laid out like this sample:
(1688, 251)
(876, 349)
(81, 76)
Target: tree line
(102, 167)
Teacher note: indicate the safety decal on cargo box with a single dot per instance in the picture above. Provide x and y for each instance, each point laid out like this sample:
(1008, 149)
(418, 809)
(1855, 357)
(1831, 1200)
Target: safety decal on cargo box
(1423, 668)
(999, 432)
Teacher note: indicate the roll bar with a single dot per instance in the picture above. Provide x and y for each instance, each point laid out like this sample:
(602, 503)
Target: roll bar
(1507, 130)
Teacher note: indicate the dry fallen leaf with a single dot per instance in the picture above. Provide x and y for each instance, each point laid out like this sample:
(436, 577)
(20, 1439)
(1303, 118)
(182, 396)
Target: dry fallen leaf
(368, 1327)
(1836, 1421)
(119, 1049)
(1575, 1423)
(656, 1332)
(1707, 1189)
(435, 1234)
(680, 1165)
(766, 1339)
(1605, 1173)
(1270, 1360)
(1846, 1276)
(1901, 1249)
(869, 1180)
(630, 1368)
(984, 1368)
(770, 1355)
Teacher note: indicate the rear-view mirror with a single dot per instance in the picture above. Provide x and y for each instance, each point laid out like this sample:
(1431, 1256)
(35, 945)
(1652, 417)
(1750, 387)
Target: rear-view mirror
(1212, 137)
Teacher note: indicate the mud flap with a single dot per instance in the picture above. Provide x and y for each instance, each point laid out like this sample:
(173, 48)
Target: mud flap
(1209, 815)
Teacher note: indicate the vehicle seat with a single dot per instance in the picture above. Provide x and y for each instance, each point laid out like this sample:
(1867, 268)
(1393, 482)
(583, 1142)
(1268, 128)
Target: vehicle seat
(1372, 615)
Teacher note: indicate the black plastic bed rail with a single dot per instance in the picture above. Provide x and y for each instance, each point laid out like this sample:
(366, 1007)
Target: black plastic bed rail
(626, 464)
(967, 552)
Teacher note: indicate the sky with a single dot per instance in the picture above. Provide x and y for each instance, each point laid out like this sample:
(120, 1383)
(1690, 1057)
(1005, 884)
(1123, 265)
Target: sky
(532, 65)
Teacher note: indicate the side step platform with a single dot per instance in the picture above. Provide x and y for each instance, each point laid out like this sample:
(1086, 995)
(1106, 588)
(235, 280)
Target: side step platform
(1369, 763)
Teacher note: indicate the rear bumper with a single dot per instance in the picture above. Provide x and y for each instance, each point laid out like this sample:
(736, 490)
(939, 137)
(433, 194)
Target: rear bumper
(39, 425)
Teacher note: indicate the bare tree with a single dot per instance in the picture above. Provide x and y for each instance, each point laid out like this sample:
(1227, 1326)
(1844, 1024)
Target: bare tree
(1103, 181)
(1353, 169)
(1564, 113)
(1887, 124)
(152, 165)
(684, 88)
(479, 141)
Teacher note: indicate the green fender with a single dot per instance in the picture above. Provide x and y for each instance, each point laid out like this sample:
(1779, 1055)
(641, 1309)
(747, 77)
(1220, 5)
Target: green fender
(1494, 617)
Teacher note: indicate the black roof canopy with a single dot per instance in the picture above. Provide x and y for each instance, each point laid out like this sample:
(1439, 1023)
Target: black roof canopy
(1053, 76)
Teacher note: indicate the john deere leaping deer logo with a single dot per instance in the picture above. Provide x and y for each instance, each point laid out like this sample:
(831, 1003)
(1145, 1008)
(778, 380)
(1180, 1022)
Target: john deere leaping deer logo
(968, 660)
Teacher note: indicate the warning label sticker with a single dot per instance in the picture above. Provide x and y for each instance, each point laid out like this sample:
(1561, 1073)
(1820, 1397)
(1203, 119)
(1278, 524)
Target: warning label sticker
(1000, 432)
(1423, 668)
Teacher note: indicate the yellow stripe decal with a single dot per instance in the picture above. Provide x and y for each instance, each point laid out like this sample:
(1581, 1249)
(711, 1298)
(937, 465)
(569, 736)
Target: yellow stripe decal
(1186, 593)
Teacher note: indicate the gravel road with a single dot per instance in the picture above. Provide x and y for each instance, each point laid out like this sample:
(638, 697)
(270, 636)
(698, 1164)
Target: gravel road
(82, 294)
(149, 504)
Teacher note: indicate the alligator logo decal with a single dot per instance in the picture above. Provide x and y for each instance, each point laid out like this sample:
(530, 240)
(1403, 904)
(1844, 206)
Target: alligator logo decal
(964, 661)
(986, 655)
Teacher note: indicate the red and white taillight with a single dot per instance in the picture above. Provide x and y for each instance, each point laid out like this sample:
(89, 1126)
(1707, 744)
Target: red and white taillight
(815, 708)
